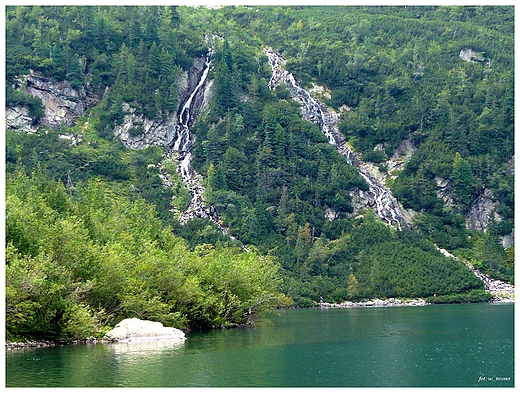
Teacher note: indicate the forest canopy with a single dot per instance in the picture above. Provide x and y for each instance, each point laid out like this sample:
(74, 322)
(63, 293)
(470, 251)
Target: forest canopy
(93, 236)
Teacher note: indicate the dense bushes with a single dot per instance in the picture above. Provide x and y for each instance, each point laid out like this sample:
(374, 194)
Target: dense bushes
(82, 256)
(373, 260)
(80, 260)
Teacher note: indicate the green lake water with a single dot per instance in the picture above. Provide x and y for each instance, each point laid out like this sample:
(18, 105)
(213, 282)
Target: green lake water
(433, 346)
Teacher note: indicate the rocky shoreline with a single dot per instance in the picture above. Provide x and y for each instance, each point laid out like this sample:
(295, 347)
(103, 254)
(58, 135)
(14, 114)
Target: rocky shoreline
(376, 303)
(501, 291)
(45, 343)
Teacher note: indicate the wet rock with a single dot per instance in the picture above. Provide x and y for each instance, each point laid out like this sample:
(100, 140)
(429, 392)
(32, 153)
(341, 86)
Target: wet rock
(378, 195)
(508, 240)
(138, 132)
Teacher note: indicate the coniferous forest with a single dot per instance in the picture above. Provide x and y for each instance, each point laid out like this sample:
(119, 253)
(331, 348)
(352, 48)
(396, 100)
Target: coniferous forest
(93, 235)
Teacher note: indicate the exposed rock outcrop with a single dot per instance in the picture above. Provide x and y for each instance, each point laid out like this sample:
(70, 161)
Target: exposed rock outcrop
(401, 156)
(444, 192)
(136, 330)
(17, 118)
(63, 103)
(482, 209)
(138, 132)
(468, 54)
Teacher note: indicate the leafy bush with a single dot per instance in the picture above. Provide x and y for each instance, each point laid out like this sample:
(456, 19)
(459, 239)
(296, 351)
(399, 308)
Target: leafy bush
(102, 257)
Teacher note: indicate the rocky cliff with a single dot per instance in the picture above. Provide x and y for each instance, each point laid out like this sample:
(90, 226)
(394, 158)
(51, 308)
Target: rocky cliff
(63, 103)
(17, 118)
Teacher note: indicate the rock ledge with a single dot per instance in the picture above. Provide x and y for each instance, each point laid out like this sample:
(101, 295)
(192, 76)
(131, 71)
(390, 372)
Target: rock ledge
(136, 330)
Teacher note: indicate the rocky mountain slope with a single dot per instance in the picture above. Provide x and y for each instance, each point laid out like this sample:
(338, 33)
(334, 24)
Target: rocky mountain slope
(272, 151)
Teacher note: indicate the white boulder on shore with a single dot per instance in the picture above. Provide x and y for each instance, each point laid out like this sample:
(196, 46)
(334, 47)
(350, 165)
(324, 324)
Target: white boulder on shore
(137, 330)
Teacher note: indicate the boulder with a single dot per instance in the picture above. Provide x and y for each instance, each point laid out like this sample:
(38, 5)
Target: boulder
(136, 330)
(17, 118)
(470, 55)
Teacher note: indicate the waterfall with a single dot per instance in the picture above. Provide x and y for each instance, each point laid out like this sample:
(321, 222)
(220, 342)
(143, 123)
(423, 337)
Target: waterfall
(386, 206)
(181, 149)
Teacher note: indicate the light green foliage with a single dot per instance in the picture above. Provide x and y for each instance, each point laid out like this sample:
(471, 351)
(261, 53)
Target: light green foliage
(105, 258)
(89, 229)
(181, 195)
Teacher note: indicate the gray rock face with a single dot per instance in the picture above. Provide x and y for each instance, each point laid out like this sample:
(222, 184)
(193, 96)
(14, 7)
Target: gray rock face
(157, 132)
(17, 118)
(481, 210)
(471, 55)
(444, 192)
(136, 330)
(63, 104)
(402, 155)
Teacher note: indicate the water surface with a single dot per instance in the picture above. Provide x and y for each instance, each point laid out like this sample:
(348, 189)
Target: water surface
(431, 346)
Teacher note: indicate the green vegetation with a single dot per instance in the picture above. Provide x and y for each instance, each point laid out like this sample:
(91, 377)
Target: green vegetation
(79, 260)
(372, 260)
(92, 234)
(398, 71)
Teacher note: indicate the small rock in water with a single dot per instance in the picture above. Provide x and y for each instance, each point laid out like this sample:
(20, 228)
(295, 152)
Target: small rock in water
(134, 329)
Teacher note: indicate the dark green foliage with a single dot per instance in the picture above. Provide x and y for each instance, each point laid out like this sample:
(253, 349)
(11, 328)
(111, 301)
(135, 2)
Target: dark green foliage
(473, 296)
(372, 260)
(462, 178)
(399, 71)
(87, 250)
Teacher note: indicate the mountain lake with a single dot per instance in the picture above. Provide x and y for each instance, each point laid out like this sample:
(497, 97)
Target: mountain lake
(458, 345)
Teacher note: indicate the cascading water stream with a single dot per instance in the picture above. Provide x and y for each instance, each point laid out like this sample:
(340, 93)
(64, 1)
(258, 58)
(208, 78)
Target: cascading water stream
(386, 206)
(180, 149)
